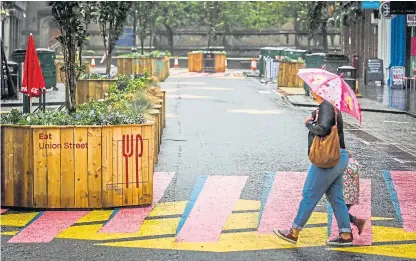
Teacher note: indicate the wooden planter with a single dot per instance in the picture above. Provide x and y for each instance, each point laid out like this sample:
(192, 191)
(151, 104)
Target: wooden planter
(219, 62)
(196, 62)
(287, 75)
(156, 134)
(160, 68)
(134, 65)
(162, 96)
(68, 167)
(92, 90)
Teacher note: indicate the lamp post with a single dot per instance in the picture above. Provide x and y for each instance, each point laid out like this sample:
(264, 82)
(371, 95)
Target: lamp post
(4, 15)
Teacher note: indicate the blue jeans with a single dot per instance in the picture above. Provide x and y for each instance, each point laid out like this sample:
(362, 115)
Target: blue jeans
(325, 181)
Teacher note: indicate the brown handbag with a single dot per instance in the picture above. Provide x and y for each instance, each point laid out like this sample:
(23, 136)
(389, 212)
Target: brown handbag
(325, 151)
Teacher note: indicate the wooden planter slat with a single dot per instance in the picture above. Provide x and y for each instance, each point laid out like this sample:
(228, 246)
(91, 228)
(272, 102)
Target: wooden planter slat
(155, 114)
(42, 169)
(68, 187)
(92, 89)
(219, 62)
(287, 75)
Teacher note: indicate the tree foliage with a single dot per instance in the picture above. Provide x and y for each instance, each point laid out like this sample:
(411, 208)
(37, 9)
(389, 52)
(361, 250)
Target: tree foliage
(72, 19)
(175, 15)
(144, 13)
(112, 18)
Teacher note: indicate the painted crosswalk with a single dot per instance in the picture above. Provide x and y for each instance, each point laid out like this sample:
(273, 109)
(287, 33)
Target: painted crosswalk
(217, 218)
(401, 185)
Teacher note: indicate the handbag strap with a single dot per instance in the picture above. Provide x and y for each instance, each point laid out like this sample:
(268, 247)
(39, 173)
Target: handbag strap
(336, 117)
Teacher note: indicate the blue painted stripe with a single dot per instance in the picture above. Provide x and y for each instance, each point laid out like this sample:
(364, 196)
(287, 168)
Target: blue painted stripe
(330, 214)
(393, 195)
(200, 182)
(31, 221)
(111, 216)
(267, 187)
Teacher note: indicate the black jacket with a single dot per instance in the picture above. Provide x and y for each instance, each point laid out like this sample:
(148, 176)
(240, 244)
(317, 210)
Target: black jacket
(326, 120)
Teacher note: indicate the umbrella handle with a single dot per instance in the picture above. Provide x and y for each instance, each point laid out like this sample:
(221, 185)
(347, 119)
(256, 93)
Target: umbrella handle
(341, 75)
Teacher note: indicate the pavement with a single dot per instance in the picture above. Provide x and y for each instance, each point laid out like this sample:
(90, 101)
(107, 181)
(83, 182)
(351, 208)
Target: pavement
(232, 164)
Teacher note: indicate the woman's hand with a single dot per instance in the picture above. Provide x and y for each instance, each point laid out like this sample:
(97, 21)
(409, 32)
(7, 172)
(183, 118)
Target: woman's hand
(309, 118)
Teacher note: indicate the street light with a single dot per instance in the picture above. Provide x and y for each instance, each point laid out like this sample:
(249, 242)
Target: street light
(4, 15)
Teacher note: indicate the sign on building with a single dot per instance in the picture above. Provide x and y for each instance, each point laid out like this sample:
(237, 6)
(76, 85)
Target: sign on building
(411, 20)
(397, 74)
(402, 7)
(374, 71)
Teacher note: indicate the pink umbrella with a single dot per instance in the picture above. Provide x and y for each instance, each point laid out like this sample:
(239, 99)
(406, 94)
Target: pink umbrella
(315, 77)
(334, 89)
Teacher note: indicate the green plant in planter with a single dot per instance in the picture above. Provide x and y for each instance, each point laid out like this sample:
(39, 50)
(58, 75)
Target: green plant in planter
(124, 105)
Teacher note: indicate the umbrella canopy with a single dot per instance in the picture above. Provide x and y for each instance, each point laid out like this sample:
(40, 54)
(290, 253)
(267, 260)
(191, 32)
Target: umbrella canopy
(314, 78)
(334, 89)
(33, 79)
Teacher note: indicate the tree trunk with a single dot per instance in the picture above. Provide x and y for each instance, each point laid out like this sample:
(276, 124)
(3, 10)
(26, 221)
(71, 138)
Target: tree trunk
(209, 40)
(170, 41)
(134, 29)
(69, 58)
(324, 33)
(108, 62)
(151, 36)
(142, 37)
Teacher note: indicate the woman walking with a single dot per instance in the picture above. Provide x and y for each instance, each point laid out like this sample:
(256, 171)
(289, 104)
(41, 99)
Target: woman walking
(320, 181)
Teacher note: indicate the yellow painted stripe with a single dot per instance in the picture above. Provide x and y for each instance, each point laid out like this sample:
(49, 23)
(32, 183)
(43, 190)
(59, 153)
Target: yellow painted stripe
(9, 233)
(17, 220)
(168, 208)
(404, 251)
(381, 218)
(244, 204)
(242, 221)
(230, 242)
(391, 234)
(95, 216)
(152, 227)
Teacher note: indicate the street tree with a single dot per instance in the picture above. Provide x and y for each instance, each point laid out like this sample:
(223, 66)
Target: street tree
(112, 18)
(144, 13)
(72, 19)
(174, 15)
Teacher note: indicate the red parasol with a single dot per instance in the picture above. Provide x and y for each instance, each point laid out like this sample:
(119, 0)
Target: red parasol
(33, 79)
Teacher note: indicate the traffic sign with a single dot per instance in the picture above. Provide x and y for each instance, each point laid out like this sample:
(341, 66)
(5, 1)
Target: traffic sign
(385, 9)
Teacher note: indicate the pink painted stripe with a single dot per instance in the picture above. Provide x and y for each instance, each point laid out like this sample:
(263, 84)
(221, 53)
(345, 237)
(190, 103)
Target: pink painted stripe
(405, 182)
(3, 210)
(47, 226)
(362, 211)
(283, 201)
(214, 205)
(129, 220)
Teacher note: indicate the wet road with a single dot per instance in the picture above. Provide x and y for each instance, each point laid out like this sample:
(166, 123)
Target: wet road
(237, 151)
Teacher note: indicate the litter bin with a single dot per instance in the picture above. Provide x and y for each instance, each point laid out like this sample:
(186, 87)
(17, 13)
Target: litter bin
(268, 52)
(14, 73)
(47, 64)
(350, 76)
(209, 62)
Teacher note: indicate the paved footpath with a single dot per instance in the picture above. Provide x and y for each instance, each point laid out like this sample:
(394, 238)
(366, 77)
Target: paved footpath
(232, 164)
